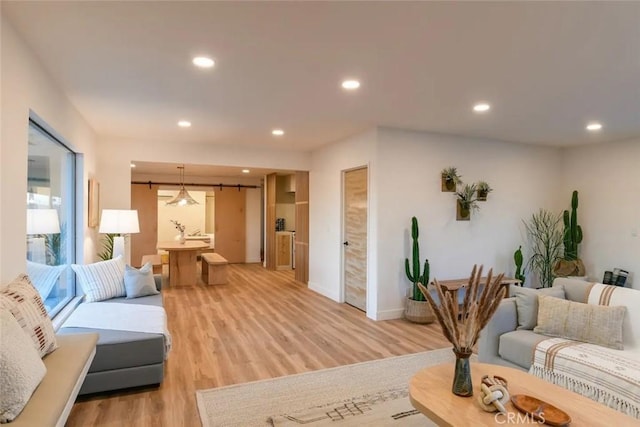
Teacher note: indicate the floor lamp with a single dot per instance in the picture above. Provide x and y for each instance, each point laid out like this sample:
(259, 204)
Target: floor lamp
(116, 221)
(40, 222)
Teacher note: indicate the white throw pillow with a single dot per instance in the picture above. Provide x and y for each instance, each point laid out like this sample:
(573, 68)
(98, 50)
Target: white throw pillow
(21, 369)
(139, 283)
(24, 303)
(101, 280)
(44, 277)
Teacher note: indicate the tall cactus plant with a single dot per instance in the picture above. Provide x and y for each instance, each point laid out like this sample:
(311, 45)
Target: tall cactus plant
(413, 274)
(518, 259)
(572, 231)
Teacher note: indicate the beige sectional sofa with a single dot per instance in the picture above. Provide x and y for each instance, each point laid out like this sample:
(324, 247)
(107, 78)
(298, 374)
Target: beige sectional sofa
(602, 362)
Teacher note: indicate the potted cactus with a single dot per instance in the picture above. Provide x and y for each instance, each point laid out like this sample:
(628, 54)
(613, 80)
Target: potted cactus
(467, 201)
(417, 309)
(518, 259)
(570, 264)
(483, 189)
(450, 179)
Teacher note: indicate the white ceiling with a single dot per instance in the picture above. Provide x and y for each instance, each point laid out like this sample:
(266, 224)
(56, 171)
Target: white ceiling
(547, 68)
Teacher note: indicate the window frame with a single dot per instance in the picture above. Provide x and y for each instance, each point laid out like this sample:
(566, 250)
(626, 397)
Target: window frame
(73, 212)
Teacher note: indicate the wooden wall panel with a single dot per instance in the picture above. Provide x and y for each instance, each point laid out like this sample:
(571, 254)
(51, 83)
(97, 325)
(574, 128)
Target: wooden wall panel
(231, 231)
(302, 227)
(144, 199)
(270, 232)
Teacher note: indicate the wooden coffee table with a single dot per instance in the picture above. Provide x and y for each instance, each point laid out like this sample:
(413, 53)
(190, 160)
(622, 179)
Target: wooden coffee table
(430, 393)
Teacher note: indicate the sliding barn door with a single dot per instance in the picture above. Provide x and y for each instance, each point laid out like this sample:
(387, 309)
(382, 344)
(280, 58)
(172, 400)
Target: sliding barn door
(230, 229)
(144, 199)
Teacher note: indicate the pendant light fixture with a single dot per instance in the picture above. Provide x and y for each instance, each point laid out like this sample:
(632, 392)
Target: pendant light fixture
(182, 198)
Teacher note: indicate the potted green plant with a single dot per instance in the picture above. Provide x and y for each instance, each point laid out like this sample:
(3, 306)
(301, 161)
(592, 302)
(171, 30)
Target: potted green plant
(570, 264)
(417, 309)
(483, 190)
(466, 202)
(450, 179)
(107, 246)
(545, 238)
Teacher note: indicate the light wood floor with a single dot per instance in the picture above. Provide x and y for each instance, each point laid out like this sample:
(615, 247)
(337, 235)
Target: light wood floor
(262, 324)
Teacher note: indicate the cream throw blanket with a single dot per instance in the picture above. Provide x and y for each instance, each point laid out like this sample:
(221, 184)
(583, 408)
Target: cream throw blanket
(611, 377)
(122, 317)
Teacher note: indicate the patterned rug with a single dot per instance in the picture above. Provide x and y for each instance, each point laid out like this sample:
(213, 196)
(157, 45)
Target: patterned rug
(363, 394)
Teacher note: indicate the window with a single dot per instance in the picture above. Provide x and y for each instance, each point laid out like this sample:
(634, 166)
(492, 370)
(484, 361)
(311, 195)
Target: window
(51, 218)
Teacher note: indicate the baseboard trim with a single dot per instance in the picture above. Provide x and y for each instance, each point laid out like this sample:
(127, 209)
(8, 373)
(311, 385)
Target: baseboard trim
(329, 293)
(396, 313)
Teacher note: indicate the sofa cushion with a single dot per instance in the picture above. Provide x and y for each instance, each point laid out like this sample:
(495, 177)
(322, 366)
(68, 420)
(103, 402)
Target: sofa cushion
(21, 368)
(518, 346)
(601, 325)
(101, 280)
(527, 303)
(25, 304)
(139, 282)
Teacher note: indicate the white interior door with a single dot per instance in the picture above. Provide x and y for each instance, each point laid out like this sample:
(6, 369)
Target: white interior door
(355, 212)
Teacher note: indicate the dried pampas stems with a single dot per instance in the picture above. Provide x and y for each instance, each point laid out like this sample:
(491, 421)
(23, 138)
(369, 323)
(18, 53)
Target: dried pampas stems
(480, 302)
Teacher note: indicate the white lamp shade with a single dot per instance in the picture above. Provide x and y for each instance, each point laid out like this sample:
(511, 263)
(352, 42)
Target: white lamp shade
(119, 221)
(42, 221)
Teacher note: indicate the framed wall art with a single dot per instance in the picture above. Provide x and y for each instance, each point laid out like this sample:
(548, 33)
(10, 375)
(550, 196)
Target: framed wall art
(94, 203)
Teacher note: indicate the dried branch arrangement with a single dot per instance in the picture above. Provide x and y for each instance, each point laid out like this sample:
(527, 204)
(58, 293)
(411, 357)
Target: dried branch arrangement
(479, 305)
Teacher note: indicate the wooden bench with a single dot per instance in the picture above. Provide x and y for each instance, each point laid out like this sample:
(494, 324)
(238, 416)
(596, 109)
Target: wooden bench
(156, 262)
(214, 269)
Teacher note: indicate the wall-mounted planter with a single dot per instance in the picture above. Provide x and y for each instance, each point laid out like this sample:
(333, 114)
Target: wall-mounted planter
(483, 191)
(462, 214)
(449, 178)
(448, 185)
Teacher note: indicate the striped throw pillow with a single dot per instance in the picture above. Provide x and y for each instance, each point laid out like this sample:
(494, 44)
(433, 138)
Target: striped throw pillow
(25, 304)
(101, 280)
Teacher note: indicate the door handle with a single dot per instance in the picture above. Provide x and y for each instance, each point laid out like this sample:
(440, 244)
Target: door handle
(346, 243)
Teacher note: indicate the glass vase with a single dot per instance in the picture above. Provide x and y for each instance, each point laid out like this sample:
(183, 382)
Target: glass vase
(462, 385)
(182, 238)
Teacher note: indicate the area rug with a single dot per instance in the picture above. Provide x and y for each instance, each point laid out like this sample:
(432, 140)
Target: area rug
(370, 393)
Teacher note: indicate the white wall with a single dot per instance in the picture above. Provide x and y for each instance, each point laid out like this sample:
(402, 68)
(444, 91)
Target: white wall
(409, 165)
(404, 180)
(607, 177)
(26, 87)
(325, 214)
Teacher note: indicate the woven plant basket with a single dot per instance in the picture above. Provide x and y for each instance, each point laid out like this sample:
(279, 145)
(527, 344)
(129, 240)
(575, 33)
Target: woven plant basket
(418, 312)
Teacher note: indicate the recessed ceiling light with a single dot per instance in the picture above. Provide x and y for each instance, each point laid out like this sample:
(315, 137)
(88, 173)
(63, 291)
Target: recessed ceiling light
(277, 132)
(184, 123)
(133, 165)
(594, 126)
(203, 62)
(245, 171)
(350, 84)
(481, 107)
